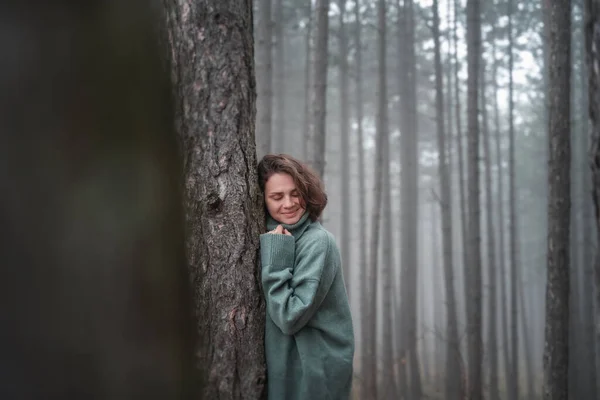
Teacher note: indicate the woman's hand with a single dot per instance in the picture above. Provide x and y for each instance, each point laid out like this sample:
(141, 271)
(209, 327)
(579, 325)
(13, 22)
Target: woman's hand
(280, 230)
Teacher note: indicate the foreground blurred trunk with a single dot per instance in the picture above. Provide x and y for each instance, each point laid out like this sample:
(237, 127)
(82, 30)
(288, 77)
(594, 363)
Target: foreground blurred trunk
(215, 89)
(94, 295)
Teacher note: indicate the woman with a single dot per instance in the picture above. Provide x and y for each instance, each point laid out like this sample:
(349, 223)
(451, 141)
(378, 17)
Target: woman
(309, 339)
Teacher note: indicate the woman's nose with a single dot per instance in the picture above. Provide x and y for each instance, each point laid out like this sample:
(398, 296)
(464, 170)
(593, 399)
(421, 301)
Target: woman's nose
(288, 202)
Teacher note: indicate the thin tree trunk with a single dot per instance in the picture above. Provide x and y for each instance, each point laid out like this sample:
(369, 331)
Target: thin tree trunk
(513, 381)
(492, 342)
(576, 349)
(473, 280)
(403, 42)
(452, 367)
(345, 147)
(590, 367)
(372, 381)
(388, 389)
(215, 121)
(526, 343)
(410, 208)
(264, 78)
(279, 135)
(556, 351)
(316, 137)
(364, 295)
(307, 81)
(461, 163)
(592, 39)
(440, 346)
(505, 344)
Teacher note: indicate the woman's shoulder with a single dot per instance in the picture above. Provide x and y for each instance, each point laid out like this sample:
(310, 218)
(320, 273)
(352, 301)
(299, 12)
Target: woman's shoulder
(316, 233)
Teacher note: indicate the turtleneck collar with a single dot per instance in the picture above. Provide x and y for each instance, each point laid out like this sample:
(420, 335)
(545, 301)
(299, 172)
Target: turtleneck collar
(296, 229)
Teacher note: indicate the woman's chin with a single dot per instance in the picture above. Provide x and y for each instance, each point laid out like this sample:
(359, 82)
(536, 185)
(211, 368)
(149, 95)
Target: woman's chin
(290, 219)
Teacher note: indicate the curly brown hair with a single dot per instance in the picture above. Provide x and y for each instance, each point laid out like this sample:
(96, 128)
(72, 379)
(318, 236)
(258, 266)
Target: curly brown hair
(307, 182)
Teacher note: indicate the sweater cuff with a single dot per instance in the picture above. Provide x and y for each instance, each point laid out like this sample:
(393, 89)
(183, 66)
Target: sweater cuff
(277, 250)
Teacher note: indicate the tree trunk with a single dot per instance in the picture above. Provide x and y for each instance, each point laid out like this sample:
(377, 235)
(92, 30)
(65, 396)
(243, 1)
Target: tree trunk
(462, 199)
(452, 367)
(556, 351)
(264, 78)
(345, 148)
(590, 367)
(402, 32)
(371, 389)
(474, 267)
(307, 81)
(279, 137)
(505, 344)
(527, 353)
(316, 136)
(364, 296)
(215, 123)
(388, 389)
(592, 36)
(409, 206)
(492, 342)
(513, 379)
(92, 245)
(440, 342)
(576, 349)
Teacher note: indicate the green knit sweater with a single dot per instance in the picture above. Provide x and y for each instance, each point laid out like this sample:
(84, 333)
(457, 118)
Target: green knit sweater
(309, 339)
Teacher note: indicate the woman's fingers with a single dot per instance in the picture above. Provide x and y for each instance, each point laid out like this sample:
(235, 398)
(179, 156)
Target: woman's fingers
(281, 230)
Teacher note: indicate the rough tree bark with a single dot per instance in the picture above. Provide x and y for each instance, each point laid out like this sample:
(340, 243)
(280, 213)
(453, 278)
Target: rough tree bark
(93, 274)
(264, 78)
(213, 69)
(556, 351)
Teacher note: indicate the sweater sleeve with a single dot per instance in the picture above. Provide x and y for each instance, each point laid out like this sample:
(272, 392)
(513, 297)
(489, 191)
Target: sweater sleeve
(294, 284)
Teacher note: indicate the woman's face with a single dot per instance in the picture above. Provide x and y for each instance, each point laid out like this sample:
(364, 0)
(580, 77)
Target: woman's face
(283, 200)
